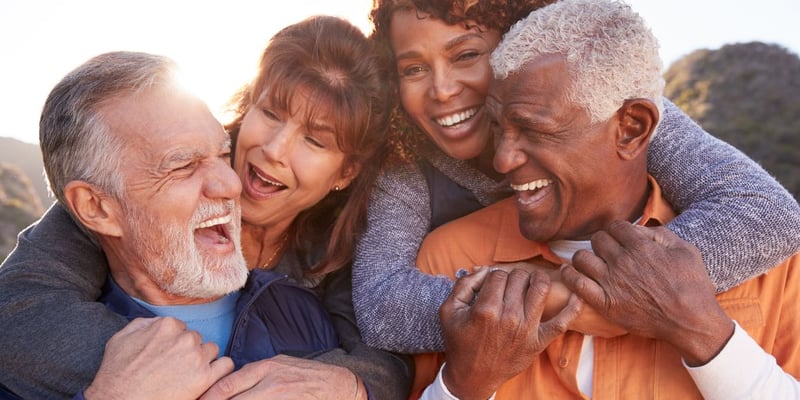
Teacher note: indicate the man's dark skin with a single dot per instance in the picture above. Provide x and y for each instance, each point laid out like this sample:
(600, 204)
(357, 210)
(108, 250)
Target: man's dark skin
(534, 95)
(508, 309)
(625, 280)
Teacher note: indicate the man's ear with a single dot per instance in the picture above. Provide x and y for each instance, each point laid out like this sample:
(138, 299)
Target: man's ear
(95, 209)
(638, 119)
(349, 172)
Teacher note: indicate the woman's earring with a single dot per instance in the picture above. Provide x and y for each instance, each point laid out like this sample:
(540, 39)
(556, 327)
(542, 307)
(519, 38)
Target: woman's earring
(336, 188)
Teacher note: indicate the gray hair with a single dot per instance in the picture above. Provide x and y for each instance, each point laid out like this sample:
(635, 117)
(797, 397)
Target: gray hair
(611, 54)
(75, 140)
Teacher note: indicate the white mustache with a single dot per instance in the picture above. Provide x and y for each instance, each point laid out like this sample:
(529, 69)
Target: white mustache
(208, 211)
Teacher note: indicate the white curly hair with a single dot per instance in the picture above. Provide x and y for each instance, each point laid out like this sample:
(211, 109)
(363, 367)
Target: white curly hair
(611, 54)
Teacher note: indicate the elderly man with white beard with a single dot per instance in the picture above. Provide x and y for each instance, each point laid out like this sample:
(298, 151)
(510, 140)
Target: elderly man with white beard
(144, 167)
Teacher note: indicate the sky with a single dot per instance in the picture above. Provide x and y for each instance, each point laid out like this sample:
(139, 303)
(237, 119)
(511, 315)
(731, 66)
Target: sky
(218, 43)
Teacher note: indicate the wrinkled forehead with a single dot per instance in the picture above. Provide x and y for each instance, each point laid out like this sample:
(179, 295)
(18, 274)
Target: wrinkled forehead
(538, 76)
(151, 122)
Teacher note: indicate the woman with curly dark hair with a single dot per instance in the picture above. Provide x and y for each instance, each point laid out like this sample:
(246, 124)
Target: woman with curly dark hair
(443, 170)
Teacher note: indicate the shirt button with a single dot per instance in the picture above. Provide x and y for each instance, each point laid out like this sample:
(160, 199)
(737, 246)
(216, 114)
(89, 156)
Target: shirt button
(563, 362)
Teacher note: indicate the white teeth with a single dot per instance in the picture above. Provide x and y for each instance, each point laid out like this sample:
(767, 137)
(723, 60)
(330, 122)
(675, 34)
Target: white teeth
(451, 120)
(216, 221)
(269, 181)
(537, 184)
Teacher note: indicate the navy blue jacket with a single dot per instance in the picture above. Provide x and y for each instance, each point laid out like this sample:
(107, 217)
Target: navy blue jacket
(273, 316)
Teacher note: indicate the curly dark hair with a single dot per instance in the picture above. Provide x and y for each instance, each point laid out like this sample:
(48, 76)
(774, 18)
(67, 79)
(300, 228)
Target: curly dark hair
(491, 14)
(405, 137)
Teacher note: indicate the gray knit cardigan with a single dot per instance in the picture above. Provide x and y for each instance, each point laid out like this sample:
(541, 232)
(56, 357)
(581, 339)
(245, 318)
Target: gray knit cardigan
(742, 220)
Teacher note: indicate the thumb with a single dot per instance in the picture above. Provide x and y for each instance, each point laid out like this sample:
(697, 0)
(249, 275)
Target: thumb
(659, 234)
(557, 325)
(220, 368)
(466, 287)
(230, 384)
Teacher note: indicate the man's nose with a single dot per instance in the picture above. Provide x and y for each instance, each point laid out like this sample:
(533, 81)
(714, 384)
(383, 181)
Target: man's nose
(222, 181)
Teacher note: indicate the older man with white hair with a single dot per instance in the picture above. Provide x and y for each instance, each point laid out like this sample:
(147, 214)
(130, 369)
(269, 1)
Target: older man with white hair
(144, 168)
(577, 97)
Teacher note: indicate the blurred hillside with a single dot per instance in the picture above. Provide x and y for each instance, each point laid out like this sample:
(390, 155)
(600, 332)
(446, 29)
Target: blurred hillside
(747, 94)
(19, 205)
(28, 158)
(23, 191)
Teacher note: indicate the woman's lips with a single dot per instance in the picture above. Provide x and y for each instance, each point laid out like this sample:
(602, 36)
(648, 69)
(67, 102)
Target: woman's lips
(260, 184)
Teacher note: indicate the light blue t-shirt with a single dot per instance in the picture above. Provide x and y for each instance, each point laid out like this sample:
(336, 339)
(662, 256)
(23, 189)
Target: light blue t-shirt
(214, 321)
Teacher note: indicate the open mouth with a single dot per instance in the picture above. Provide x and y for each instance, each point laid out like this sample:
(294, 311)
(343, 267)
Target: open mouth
(457, 118)
(263, 183)
(531, 193)
(533, 185)
(215, 230)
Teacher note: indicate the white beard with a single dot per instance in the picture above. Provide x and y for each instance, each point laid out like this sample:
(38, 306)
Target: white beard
(170, 254)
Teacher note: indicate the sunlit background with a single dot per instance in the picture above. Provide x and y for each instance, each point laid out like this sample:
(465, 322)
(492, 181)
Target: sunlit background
(218, 42)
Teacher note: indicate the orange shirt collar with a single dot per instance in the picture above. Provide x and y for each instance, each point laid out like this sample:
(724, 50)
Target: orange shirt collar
(514, 247)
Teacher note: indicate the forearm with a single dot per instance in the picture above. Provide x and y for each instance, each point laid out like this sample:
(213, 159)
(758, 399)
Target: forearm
(396, 305)
(727, 202)
(725, 378)
(588, 321)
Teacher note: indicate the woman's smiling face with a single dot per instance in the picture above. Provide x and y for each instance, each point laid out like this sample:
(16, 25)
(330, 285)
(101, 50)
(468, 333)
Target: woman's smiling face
(444, 77)
(287, 160)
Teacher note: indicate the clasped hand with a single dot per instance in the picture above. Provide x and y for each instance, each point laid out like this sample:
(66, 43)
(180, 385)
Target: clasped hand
(493, 330)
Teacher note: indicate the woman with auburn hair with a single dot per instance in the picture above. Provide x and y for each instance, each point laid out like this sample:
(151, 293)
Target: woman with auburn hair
(309, 134)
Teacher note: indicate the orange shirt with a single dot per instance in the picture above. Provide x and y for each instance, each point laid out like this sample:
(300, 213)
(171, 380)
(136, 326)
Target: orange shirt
(625, 367)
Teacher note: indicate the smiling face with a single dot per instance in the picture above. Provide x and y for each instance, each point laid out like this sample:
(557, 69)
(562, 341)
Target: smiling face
(179, 210)
(287, 160)
(444, 79)
(563, 168)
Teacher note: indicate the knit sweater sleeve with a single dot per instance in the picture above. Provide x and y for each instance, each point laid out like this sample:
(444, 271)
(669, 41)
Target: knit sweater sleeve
(742, 220)
(396, 305)
(53, 329)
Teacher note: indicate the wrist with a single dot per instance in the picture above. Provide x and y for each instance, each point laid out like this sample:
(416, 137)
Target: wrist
(465, 388)
(702, 344)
